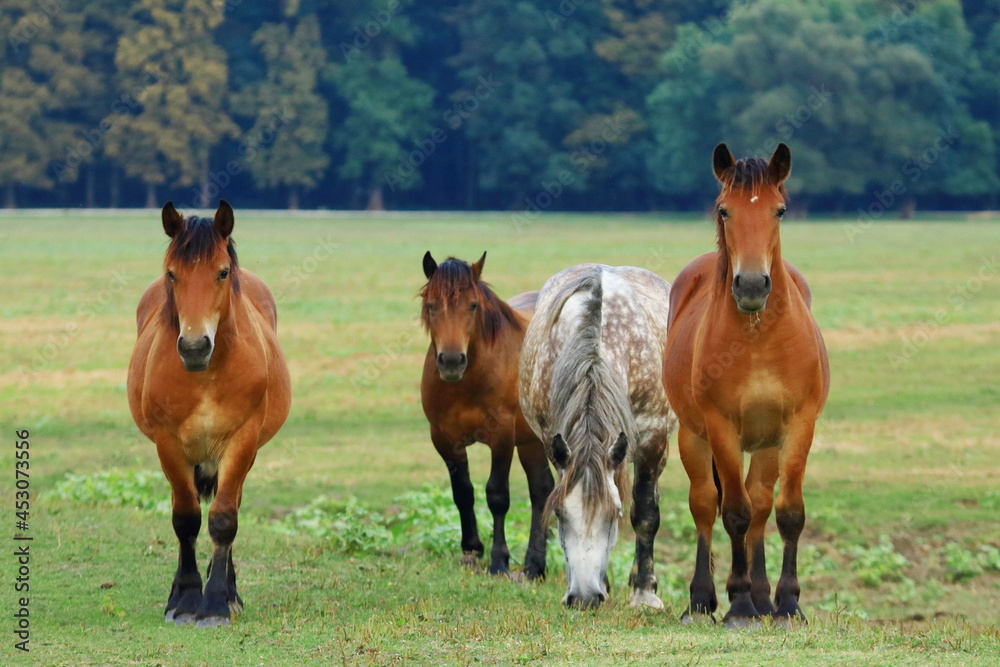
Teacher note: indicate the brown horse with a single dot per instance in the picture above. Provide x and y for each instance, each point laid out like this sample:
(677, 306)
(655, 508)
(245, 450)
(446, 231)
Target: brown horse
(746, 372)
(469, 394)
(208, 384)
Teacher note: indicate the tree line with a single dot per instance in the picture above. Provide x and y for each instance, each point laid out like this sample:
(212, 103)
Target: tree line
(523, 105)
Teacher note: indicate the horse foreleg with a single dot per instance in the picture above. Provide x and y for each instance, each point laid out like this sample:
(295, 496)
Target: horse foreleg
(540, 484)
(762, 475)
(736, 515)
(462, 492)
(649, 460)
(703, 499)
(791, 517)
(498, 500)
(221, 599)
(185, 592)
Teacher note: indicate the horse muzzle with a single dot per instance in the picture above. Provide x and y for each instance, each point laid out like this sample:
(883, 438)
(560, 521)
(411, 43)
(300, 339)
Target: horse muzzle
(451, 365)
(195, 352)
(751, 291)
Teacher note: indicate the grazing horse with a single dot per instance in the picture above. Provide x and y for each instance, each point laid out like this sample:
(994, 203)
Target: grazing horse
(591, 388)
(208, 384)
(746, 371)
(469, 395)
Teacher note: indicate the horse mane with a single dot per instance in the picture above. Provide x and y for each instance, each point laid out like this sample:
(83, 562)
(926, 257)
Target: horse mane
(196, 242)
(747, 176)
(592, 403)
(453, 276)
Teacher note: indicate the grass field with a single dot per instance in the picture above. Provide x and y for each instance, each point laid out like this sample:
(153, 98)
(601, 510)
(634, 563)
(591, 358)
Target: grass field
(901, 556)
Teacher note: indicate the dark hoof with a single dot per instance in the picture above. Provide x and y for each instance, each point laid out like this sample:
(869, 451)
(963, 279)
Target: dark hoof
(742, 614)
(497, 569)
(764, 607)
(789, 622)
(213, 622)
(184, 619)
(741, 622)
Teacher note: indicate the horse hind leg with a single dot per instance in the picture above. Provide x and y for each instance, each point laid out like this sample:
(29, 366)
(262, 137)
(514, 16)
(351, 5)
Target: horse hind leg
(540, 485)
(498, 500)
(645, 515)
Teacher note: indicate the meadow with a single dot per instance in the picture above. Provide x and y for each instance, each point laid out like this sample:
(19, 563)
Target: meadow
(348, 549)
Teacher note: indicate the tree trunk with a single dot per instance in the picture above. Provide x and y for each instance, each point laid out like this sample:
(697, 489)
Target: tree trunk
(150, 195)
(10, 199)
(205, 203)
(907, 208)
(89, 199)
(375, 202)
(115, 188)
(293, 198)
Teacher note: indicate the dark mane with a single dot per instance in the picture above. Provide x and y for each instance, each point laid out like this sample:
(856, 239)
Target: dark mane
(453, 276)
(747, 176)
(197, 242)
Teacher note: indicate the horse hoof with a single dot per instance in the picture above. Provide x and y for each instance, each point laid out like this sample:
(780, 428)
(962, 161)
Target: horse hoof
(184, 619)
(498, 570)
(645, 599)
(742, 623)
(213, 622)
(236, 607)
(169, 616)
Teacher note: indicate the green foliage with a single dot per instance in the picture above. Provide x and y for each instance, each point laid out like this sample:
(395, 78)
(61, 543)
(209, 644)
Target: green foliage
(285, 146)
(963, 565)
(879, 563)
(137, 489)
(348, 525)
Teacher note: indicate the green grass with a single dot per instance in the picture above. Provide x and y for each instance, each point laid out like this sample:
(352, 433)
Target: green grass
(901, 492)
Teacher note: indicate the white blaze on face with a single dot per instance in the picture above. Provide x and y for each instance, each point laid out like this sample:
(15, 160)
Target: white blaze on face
(587, 547)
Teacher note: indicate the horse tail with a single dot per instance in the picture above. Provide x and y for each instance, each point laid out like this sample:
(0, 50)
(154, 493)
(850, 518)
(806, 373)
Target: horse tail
(206, 480)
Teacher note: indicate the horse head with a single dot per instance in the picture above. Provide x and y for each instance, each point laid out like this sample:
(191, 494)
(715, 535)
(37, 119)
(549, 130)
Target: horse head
(200, 275)
(588, 503)
(748, 212)
(451, 312)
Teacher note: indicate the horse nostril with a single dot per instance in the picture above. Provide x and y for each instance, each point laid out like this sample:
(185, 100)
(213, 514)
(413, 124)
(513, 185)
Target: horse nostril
(462, 359)
(440, 358)
(736, 281)
(767, 281)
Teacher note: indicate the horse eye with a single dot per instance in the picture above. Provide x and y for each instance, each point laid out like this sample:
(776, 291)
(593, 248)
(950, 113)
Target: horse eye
(473, 306)
(223, 274)
(781, 212)
(431, 308)
(723, 213)
(170, 276)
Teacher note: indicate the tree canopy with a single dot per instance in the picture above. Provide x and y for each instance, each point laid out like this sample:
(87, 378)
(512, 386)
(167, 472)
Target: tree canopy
(503, 104)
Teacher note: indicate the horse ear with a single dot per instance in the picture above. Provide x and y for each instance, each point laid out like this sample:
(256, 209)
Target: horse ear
(173, 221)
(477, 268)
(722, 160)
(619, 450)
(781, 163)
(560, 451)
(430, 266)
(224, 219)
